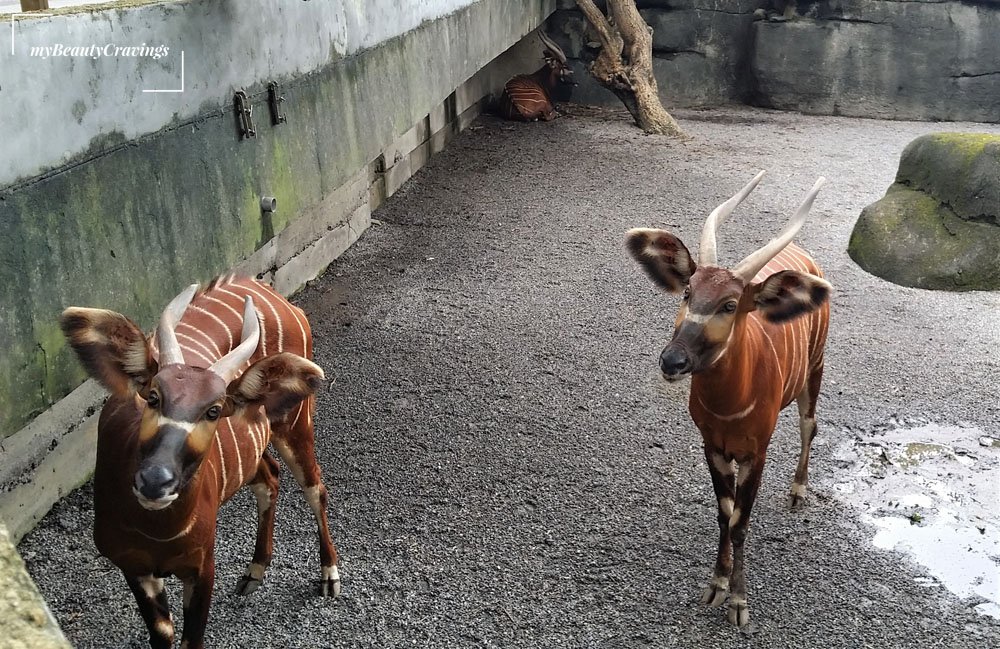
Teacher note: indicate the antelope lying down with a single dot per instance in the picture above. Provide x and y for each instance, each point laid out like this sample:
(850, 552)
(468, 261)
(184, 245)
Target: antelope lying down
(187, 424)
(752, 340)
(528, 97)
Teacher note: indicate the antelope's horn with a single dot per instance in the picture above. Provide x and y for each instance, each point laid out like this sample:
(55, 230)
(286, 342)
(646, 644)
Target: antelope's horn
(707, 255)
(229, 365)
(750, 266)
(551, 44)
(166, 339)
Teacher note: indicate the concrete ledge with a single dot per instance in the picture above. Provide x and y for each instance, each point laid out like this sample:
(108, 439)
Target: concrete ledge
(55, 453)
(26, 621)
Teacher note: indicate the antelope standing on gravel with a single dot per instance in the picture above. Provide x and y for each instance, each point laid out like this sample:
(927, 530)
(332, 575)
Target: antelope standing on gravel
(752, 339)
(528, 97)
(187, 424)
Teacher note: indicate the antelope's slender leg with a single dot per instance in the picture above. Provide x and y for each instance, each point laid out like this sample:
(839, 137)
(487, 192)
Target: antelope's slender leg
(197, 601)
(747, 483)
(154, 608)
(723, 482)
(265, 488)
(296, 445)
(807, 431)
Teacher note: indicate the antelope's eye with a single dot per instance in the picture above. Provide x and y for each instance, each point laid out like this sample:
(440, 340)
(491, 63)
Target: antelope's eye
(213, 413)
(153, 400)
(730, 307)
(687, 293)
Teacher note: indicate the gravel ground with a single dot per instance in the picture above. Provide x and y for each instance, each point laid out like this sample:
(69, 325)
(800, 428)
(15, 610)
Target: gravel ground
(505, 467)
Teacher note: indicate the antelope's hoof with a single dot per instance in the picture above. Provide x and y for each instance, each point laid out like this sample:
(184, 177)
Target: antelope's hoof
(247, 585)
(797, 497)
(715, 594)
(330, 583)
(739, 612)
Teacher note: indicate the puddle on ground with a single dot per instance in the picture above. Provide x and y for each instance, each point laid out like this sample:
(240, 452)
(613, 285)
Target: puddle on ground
(931, 491)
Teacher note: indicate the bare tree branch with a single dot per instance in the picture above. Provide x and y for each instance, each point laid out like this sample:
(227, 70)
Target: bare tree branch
(625, 63)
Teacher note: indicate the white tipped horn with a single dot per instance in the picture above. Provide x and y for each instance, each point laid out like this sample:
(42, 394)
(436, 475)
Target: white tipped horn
(166, 339)
(707, 255)
(553, 47)
(229, 365)
(750, 266)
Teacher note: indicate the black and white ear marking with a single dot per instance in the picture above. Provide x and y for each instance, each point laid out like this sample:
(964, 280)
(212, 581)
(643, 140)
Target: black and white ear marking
(111, 348)
(663, 256)
(788, 294)
(277, 382)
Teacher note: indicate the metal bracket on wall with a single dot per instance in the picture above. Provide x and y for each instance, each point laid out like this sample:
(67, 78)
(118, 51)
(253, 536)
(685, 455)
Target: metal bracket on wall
(244, 115)
(274, 100)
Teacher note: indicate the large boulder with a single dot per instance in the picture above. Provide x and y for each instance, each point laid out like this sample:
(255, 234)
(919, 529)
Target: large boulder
(938, 226)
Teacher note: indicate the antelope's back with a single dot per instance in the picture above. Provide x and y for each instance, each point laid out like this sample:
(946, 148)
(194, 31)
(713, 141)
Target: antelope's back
(525, 98)
(213, 322)
(799, 344)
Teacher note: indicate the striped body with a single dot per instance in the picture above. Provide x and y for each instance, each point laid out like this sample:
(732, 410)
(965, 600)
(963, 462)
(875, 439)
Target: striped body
(526, 97)
(751, 338)
(209, 329)
(190, 417)
(767, 366)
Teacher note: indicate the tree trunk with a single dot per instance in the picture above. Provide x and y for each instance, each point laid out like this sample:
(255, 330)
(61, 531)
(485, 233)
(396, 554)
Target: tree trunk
(625, 63)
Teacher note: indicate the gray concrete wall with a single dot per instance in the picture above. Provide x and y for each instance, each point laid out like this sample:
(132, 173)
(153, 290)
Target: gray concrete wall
(125, 226)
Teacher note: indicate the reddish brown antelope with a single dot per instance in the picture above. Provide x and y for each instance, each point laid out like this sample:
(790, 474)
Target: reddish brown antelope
(528, 97)
(187, 424)
(752, 339)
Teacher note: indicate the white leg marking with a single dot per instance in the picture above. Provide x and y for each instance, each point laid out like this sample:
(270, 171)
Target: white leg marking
(722, 466)
(312, 497)
(721, 582)
(798, 490)
(151, 585)
(256, 571)
(726, 506)
(743, 474)
(735, 518)
(165, 628)
(330, 573)
(263, 495)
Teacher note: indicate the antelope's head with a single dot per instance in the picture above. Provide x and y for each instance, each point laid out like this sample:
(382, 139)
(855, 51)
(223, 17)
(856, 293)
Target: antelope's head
(559, 70)
(182, 404)
(716, 300)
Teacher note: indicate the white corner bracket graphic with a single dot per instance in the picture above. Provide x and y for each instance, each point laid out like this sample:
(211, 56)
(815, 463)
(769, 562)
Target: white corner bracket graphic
(181, 89)
(18, 14)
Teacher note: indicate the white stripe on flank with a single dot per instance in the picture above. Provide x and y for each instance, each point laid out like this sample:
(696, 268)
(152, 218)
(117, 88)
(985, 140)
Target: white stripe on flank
(777, 360)
(220, 322)
(262, 320)
(239, 455)
(238, 314)
(222, 460)
(204, 335)
(277, 317)
(302, 329)
(189, 348)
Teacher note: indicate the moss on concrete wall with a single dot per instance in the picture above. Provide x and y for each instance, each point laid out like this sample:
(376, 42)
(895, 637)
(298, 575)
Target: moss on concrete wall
(127, 229)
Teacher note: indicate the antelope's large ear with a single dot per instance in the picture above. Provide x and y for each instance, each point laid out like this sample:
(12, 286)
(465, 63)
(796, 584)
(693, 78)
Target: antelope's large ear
(110, 347)
(788, 294)
(662, 255)
(277, 382)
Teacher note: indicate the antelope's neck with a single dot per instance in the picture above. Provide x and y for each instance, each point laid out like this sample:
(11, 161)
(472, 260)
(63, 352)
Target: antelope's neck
(724, 393)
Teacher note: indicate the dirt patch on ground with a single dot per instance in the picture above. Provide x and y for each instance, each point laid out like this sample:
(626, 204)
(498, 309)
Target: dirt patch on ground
(505, 467)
